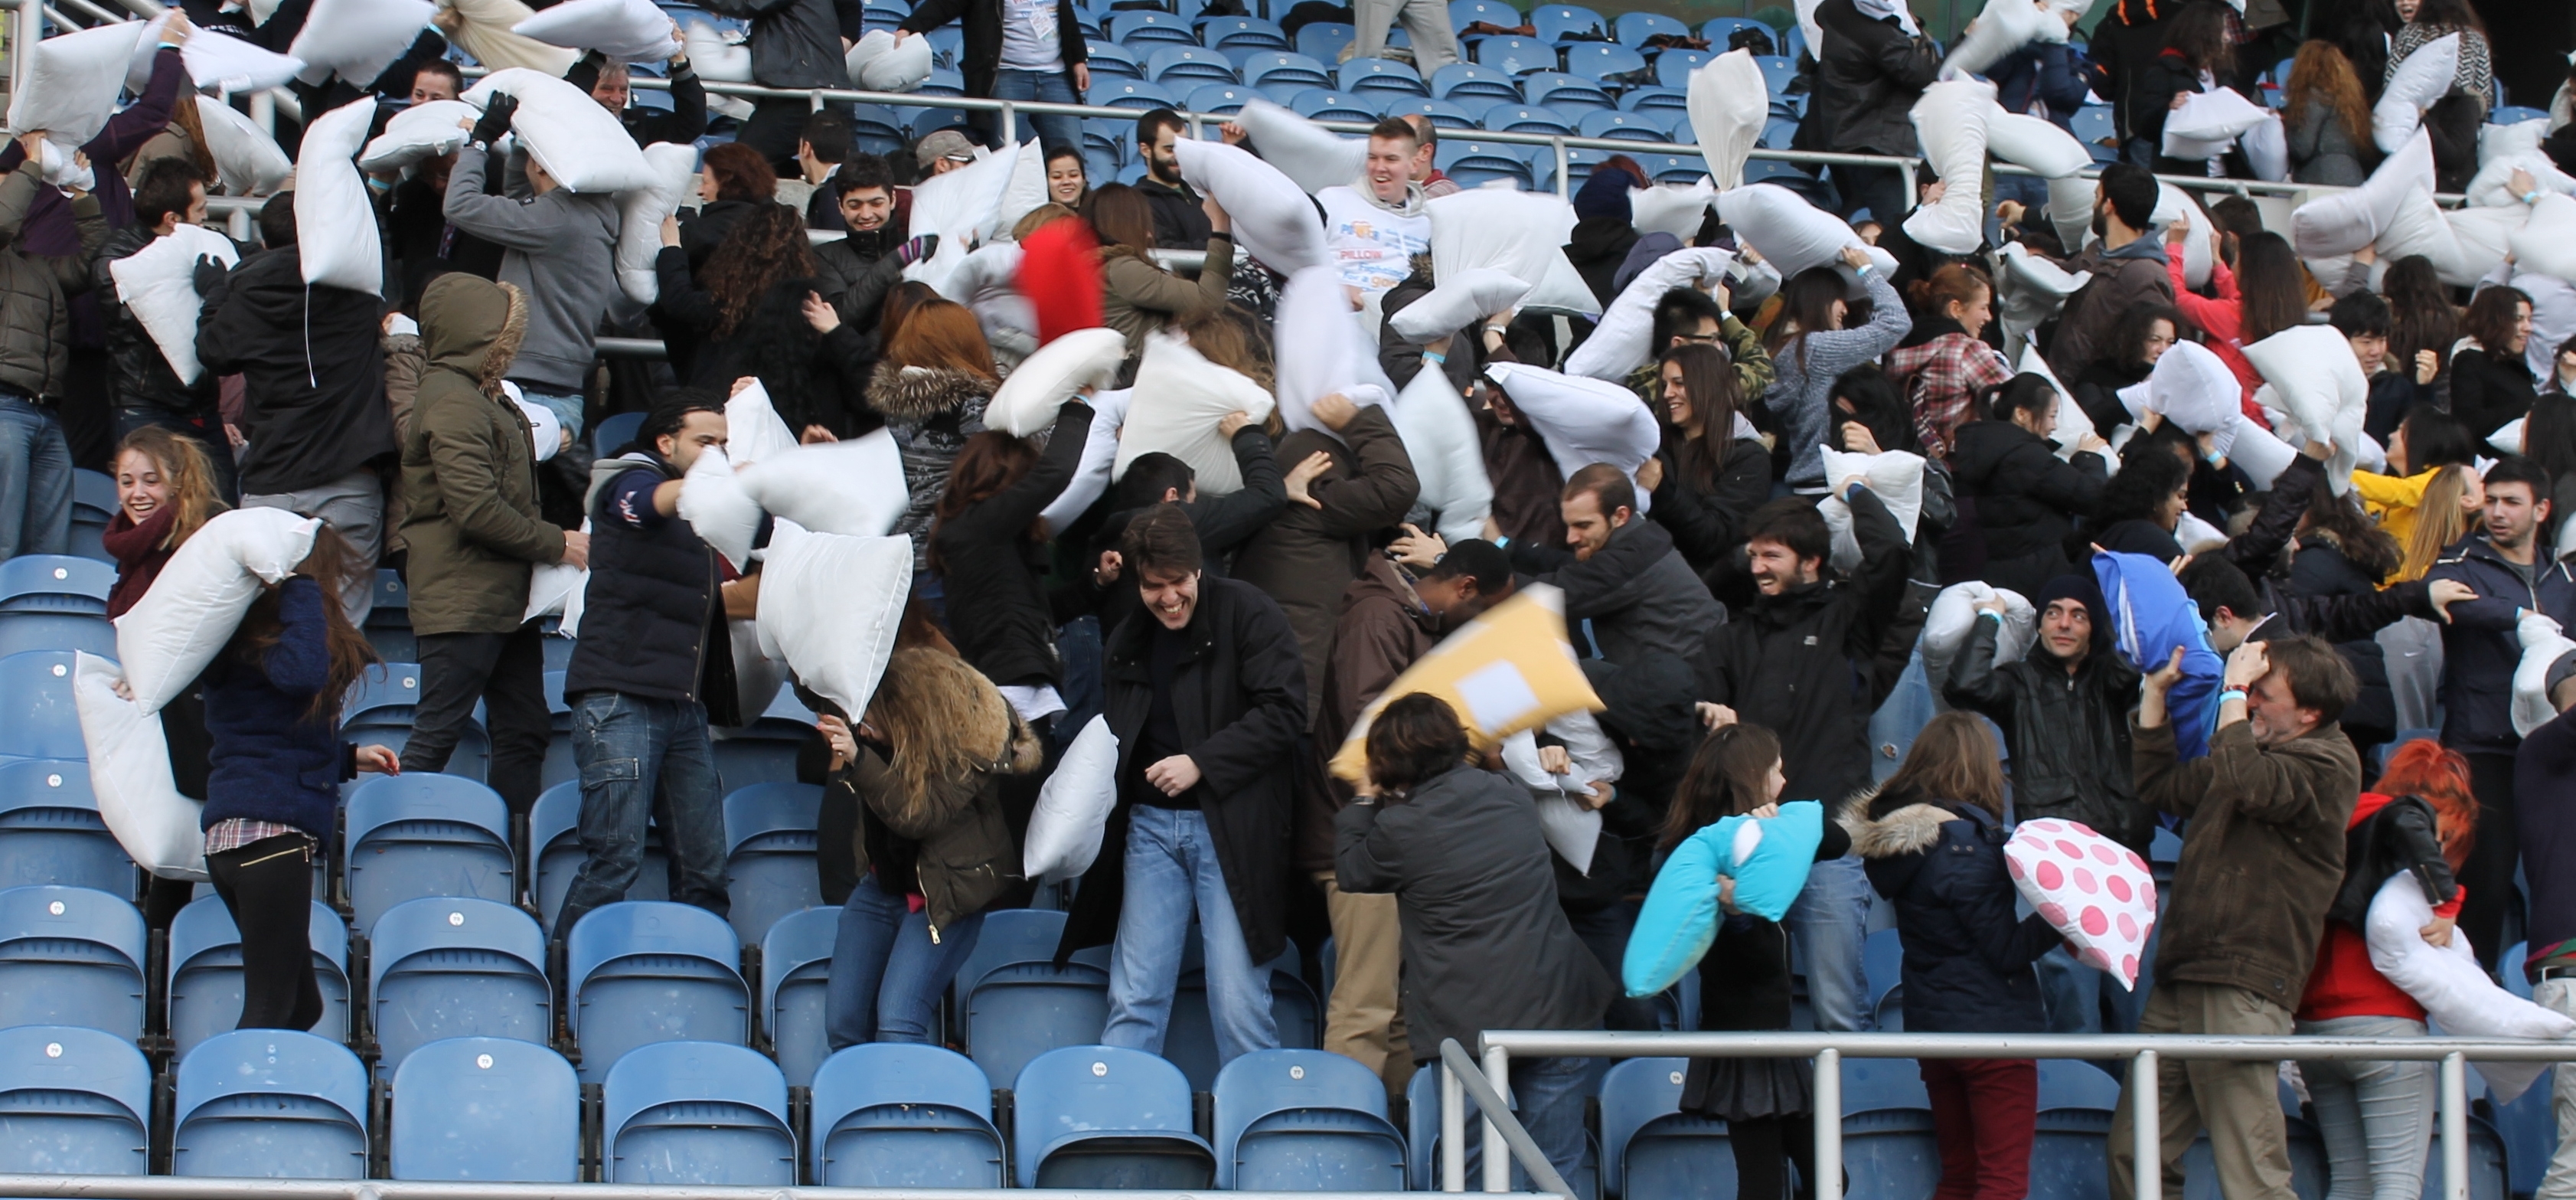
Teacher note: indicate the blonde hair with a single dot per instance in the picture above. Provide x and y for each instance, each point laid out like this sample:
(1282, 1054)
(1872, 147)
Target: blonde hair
(942, 717)
(1038, 218)
(2439, 521)
(191, 475)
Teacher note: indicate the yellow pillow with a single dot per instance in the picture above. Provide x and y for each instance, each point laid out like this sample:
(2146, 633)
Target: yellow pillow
(1508, 670)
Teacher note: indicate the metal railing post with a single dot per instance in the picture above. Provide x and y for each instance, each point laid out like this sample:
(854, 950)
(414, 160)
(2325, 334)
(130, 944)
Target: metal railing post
(263, 111)
(25, 30)
(2147, 1174)
(1011, 121)
(1564, 167)
(1829, 1125)
(1498, 1156)
(2455, 1127)
(814, 100)
(1453, 1131)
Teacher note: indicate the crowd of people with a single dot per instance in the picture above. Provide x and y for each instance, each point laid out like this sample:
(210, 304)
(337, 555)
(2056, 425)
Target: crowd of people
(1750, 620)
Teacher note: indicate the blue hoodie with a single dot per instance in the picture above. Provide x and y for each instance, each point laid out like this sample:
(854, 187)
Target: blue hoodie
(2150, 615)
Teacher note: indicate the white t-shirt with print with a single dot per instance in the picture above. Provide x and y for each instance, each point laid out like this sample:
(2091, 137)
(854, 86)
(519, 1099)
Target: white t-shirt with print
(1371, 247)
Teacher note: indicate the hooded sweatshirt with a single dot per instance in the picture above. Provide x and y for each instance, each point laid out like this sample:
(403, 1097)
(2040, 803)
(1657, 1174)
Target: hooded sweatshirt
(1373, 242)
(561, 251)
(313, 372)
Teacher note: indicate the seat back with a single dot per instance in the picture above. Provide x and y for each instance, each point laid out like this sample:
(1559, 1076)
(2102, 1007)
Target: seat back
(204, 980)
(1634, 28)
(271, 1104)
(646, 972)
(769, 854)
(886, 1114)
(1104, 1117)
(1325, 104)
(1219, 97)
(1462, 80)
(1010, 935)
(613, 431)
(496, 1110)
(451, 967)
(1304, 1120)
(795, 963)
(1514, 55)
(420, 834)
(1108, 58)
(37, 719)
(555, 854)
(1888, 1141)
(1285, 68)
(1142, 27)
(1555, 21)
(1380, 75)
(1133, 93)
(1323, 40)
(1445, 114)
(73, 1101)
(1568, 93)
(1019, 1011)
(1243, 32)
(93, 505)
(71, 956)
(699, 1113)
(1673, 67)
(1474, 164)
(1182, 65)
(51, 831)
(55, 583)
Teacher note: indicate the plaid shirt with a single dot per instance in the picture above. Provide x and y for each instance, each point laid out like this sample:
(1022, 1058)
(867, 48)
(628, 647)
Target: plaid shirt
(1941, 378)
(242, 831)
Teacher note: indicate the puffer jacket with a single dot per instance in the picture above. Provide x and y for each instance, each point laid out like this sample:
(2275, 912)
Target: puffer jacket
(932, 411)
(138, 372)
(951, 842)
(2027, 499)
(469, 472)
(2068, 733)
(1967, 966)
(35, 309)
(1867, 82)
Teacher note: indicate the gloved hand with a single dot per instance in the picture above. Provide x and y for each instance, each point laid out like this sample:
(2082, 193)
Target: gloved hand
(210, 271)
(496, 118)
(917, 249)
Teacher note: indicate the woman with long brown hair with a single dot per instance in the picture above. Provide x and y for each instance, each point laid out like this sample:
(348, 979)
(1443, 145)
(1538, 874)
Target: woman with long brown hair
(931, 385)
(2263, 293)
(734, 182)
(2491, 379)
(754, 309)
(989, 548)
(2200, 45)
(2329, 118)
(2421, 317)
(1711, 471)
(1138, 296)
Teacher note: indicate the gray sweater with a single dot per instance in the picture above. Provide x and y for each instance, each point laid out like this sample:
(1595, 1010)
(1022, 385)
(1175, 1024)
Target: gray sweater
(2321, 149)
(562, 252)
(1809, 363)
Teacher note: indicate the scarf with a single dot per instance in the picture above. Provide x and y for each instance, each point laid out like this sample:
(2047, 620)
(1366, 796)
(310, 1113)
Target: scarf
(139, 555)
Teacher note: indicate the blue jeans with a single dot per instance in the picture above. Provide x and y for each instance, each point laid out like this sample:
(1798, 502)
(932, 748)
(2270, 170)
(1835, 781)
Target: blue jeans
(1051, 87)
(1547, 1096)
(1172, 868)
(1831, 920)
(566, 408)
(643, 757)
(35, 480)
(2376, 1117)
(886, 972)
(2073, 993)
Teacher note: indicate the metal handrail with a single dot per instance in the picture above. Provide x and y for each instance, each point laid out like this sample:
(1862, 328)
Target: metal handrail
(2143, 1050)
(173, 1187)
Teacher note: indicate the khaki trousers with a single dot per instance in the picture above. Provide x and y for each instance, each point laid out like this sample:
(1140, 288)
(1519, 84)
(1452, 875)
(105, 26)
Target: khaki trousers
(2238, 1102)
(1362, 1020)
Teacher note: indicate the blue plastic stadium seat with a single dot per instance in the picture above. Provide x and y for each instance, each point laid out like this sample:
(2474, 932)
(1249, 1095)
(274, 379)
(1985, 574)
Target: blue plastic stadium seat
(614, 431)
(73, 1101)
(1602, 60)
(878, 130)
(37, 719)
(1250, 32)
(271, 1104)
(1138, 94)
(1673, 168)
(93, 505)
(1422, 1126)
(1304, 1121)
(1323, 40)
(1718, 29)
(765, 750)
(1888, 1144)
(1179, 66)
(559, 767)
(1189, 1040)
(1381, 75)
(389, 620)
(1444, 114)
(889, 1115)
(2510, 114)
(1649, 1147)
(71, 956)
(1565, 93)
(1104, 147)
(205, 973)
(1224, 98)
(1524, 118)
(1623, 126)
(1463, 13)
(1324, 104)
(555, 854)
(943, 81)
(495, 1110)
(55, 602)
(1109, 60)
(2069, 1153)
(1645, 99)
(1102, 1117)
(1555, 22)
(885, 14)
(51, 831)
(1138, 28)
(1474, 164)
(646, 972)
(1471, 81)
(1778, 71)
(380, 709)
(699, 1113)
(1516, 55)
(1633, 28)
(769, 854)
(1284, 68)
(1673, 67)
(415, 835)
(795, 965)
(2094, 127)
(1017, 1003)
(946, 43)
(448, 967)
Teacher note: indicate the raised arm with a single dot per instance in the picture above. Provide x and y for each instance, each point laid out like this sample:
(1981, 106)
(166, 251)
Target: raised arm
(1384, 488)
(496, 219)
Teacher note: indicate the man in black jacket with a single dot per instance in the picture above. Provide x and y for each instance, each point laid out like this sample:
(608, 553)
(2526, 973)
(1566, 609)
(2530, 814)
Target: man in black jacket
(1017, 50)
(1180, 221)
(796, 45)
(653, 668)
(1874, 66)
(607, 82)
(1621, 572)
(147, 391)
(313, 390)
(1208, 698)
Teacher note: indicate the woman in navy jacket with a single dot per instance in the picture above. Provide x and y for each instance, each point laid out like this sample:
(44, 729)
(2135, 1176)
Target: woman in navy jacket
(1932, 840)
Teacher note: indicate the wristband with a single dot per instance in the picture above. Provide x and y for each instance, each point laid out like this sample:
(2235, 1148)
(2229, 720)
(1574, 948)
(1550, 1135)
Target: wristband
(1503, 543)
(1988, 612)
(2236, 694)
(2532, 196)
(1862, 269)
(1441, 359)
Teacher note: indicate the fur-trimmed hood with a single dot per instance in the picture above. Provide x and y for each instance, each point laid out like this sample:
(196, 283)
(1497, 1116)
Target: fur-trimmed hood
(914, 395)
(1892, 825)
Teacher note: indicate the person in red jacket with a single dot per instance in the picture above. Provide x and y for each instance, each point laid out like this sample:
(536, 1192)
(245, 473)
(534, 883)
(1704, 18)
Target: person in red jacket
(2376, 1117)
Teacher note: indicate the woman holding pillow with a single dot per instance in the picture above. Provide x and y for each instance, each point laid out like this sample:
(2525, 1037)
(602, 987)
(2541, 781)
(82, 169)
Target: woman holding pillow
(1139, 296)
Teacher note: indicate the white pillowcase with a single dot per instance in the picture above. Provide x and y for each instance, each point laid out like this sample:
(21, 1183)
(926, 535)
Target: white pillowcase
(1729, 104)
(1024, 194)
(1623, 340)
(1954, 612)
(579, 143)
(854, 488)
(2209, 122)
(1521, 234)
(2543, 644)
(1313, 156)
(2419, 80)
(2259, 453)
(1448, 307)
(2192, 388)
(1448, 458)
(358, 39)
(2344, 221)
(423, 131)
(714, 56)
(1091, 475)
(2035, 144)
(335, 222)
(214, 60)
(754, 432)
(641, 211)
(1330, 351)
(1027, 402)
(158, 284)
(1791, 234)
(2504, 148)
(1670, 208)
(624, 30)
(1950, 121)
(1583, 421)
(964, 207)
(129, 776)
(2073, 425)
(198, 599)
(2070, 209)
(246, 158)
(829, 608)
(72, 82)
(2447, 981)
(2267, 149)
(2485, 236)
(2313, 371)
(718, 510)
(483, 29)
(2003, 27)
(1272, 221)
(1178, 400)
(2030, 290)
(878, 63)
(1894, 476)
(1072, 812)
(2174, 204)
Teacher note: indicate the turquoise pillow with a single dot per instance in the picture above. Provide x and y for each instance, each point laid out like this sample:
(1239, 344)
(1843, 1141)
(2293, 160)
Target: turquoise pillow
(1768, 880)
(1680, 916)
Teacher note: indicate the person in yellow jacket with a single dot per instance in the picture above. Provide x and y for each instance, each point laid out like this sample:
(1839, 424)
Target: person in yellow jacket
(2432, 465)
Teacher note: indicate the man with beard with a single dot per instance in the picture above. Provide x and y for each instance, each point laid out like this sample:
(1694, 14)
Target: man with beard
(1179, 221)
(2128, 268)
(1623, 574)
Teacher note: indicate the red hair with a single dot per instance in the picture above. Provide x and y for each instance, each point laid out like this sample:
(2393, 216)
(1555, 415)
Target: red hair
(2440, 775)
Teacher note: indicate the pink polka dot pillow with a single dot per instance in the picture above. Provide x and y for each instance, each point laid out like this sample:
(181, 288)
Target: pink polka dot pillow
(2092, 889)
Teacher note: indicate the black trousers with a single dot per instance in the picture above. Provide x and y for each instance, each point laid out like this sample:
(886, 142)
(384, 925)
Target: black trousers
(1764, 1148)
(2489, 872)
(507, 672)
(268, 886)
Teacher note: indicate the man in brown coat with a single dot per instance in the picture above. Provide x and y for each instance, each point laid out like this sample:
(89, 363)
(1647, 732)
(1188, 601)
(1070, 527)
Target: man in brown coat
(2127, 264)
(2261, 860)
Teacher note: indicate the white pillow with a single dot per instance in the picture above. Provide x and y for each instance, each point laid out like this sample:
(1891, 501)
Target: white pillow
(2419, 79)
(1954, 612)
(2543, 644)
(1729, 104)
(2267, 149)
(2508, 438)
(2192, 388)
(483, 29)
(2029, 291)
(423, 131)
(2174, 204)
(197, 600)
(754, 432)
(829, 608)
(2341, 222)
(1025, 193)
(579, 143)
(214, 60)
(1273, 222)
(1670, 208)
(756, 676)
(2485, 236)
(129, 776)
(1894, 476)
(1091, 475)
(2502, 149)
(551, 586)
(2070, 209)
(335, 222)
(246, 158)
(964, 207)
(854, 488)
(624, 30)
(723, 515)
(1624, 339)
(1560, 289)
(641, 211)
(714, 56)
(1447, 308)
(878, 63)
(2208, 122)
(2313, 371)
(2447, 981)
(1179, 398)
(986, 275)
(2036, 144)
(1332, 353)
(2073, 425)
(1313, 156)
(1448, 458)
(2415, 226)
(1521, 234)
(72, 82)
(545, 429)
(2001, 28)
(1792, 234)
(358, 39)
(2260, 453)
(1583, 421)
(158, 283)
(1028, 401)
(1950, 121)
(1073, 807)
